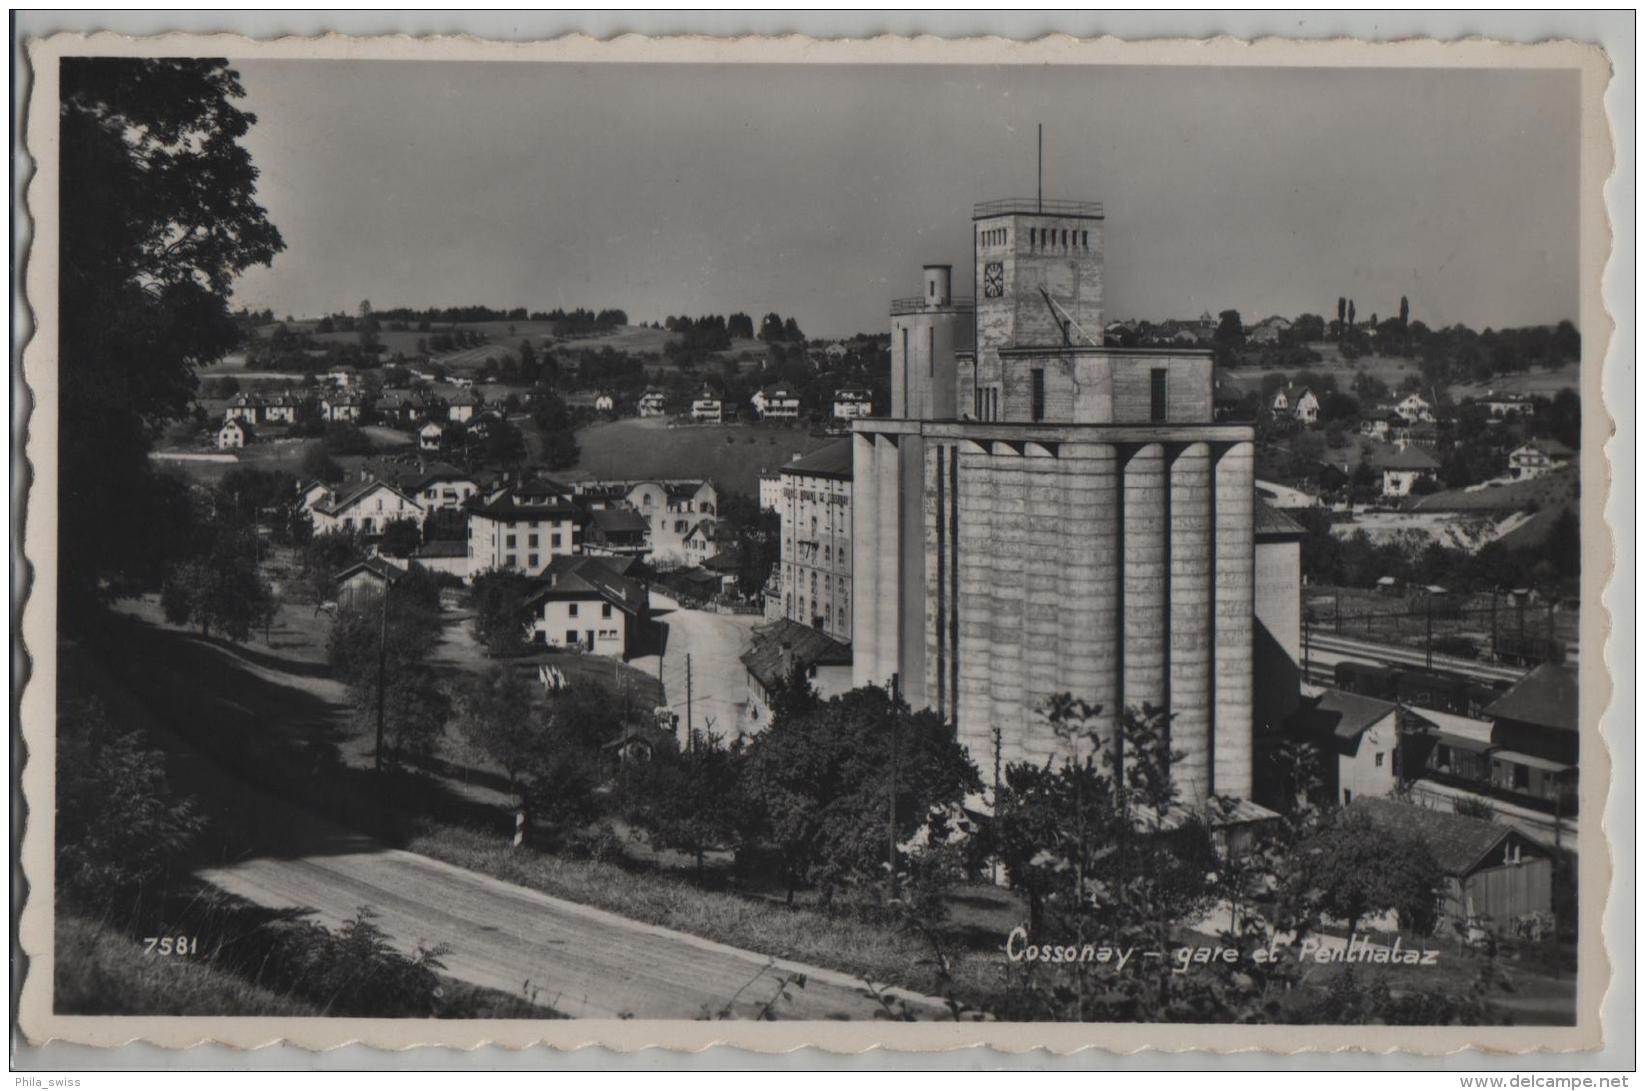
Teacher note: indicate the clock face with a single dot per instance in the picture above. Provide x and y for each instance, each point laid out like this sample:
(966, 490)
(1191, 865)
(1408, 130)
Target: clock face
(993, 280)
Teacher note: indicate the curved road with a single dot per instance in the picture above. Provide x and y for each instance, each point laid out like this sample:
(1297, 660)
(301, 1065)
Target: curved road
(580, 961)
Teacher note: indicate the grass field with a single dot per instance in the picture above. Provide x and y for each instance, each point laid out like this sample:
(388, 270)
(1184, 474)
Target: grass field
(1393, 370)
(1551, 490)
(731, 455)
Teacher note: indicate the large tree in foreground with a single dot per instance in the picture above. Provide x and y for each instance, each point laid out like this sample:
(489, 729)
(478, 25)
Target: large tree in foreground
(158, 217)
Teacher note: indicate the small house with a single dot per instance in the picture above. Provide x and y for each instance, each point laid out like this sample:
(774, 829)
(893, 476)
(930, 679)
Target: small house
(1357, 737)
(852, 403)
(365, 581)
(708, 406)
(233, 433)
(1491, 870)
(652, 403)
(430, 435)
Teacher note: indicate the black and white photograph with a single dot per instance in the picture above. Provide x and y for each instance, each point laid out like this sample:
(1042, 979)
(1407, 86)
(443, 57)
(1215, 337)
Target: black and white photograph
(995, 543)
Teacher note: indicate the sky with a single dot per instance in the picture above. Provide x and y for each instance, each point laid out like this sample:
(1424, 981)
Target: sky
(819, 191)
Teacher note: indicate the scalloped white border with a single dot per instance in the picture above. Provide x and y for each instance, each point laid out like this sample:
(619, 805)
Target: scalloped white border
(38, 700)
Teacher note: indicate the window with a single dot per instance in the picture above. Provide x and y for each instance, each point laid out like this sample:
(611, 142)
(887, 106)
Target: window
(1379, 759)
(571, 609)
(554, 541)
(1442, 756)
(510, 560)
(1347, 797)
(1037, 408)
(605, 612)
(1156, 394)
(531, 541)
(1522, 778)
(931, 351)
(510, 542)
(531, 561)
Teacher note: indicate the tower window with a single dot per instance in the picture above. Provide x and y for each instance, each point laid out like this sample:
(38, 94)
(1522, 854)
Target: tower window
(1156, 394)
(1037, 408)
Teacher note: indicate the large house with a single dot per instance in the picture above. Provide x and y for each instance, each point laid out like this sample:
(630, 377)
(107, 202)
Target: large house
(342, 408)
(233, 433)
(815, 508)
(1268, 331)
(431, 435)
(1414, 407)
(1502, 406)
(674, 509)
(652, 403)
(368, 508)
(1402, 469)
(777, 403)
(778, 652)
(522, 527)
(853, 402)
(616, 532)
(445, 487)
(1306, 409)
(244, 407)
(1536, 458)
(463, 406)
(1356, 737)
(589, 603)
(281, 410)
(708, 407)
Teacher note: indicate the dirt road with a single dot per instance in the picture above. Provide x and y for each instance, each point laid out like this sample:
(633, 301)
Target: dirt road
(715, 643)
(582, 962)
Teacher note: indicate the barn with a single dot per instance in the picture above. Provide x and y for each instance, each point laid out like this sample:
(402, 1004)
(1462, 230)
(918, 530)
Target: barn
(1490, 870)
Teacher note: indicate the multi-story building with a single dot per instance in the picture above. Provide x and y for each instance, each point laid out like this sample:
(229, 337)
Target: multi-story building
(777, 403)
(1536, 458)
(853, 403)
(368, 507)
(708, 407)
(816, 540)
(1041, 514)
(673, 510)
(244, 407)
(523, 527)
(589, 603)
(652, 403)
(1404, 468)
(281, 410)
(771, 490)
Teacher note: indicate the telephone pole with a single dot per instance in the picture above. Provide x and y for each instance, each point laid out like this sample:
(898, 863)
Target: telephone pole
(891, 801)
(690, 732)
(382, 671)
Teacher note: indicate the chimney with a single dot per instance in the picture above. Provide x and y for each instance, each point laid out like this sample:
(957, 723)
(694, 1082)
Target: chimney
(785, 660)
(939, 281)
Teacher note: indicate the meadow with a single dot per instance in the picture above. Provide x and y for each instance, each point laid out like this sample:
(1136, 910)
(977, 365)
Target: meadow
(731, 455)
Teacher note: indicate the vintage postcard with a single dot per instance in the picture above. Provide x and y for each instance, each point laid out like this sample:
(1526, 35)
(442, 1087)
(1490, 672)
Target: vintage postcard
(889, 544)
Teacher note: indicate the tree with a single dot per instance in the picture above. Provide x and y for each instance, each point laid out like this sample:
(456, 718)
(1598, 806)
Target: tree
(1404, 313)
(688, 800)
(1229, 338)
(158, 218)
(819, 782)
(120, 825)
(494, 716)
(389, 662)
(1350, 316)
(553, 420)
(498, 601)
(1358, 869)
(1342, 316)
(400, 538)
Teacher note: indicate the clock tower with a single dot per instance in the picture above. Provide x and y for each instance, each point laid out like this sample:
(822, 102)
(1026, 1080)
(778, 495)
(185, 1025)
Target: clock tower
(1029, 250)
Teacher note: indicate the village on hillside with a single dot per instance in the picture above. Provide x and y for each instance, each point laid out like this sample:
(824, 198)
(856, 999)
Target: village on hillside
(482, 661)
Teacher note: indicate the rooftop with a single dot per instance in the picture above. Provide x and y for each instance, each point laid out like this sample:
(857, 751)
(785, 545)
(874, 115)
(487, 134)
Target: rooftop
(833, 460)
(1345, 715)
(1036, 206)
(590, 577)
(784, 646)
(1546, 698)
(1459, 843)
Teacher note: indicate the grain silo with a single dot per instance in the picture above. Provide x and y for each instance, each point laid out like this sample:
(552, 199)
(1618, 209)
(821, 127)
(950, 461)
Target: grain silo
(1069, 517)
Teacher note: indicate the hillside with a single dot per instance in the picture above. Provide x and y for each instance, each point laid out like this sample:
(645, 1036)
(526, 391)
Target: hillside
(731, 455)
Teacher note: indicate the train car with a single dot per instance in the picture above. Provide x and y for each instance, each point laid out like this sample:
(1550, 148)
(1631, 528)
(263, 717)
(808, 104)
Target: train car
(1367, 679)
(1430, 689)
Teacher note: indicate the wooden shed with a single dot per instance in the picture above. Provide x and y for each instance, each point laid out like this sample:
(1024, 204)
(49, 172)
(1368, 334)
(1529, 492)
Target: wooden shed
(1491, 870)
